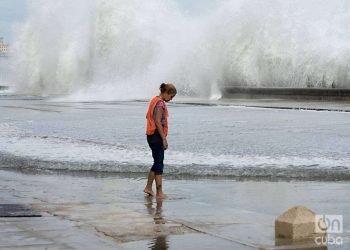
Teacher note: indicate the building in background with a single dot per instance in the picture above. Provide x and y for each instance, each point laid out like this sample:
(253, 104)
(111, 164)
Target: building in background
(4, 48)
(4, 53)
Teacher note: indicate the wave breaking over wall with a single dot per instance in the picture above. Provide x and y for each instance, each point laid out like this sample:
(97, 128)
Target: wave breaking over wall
(108, 50)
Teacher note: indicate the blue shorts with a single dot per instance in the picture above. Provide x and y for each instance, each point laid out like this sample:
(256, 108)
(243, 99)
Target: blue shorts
(155, 142)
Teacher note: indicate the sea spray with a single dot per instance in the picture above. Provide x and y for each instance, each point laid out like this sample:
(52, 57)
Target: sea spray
(108, 50)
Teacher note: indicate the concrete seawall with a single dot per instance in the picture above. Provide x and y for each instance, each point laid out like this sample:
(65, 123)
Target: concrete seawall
(287, 93)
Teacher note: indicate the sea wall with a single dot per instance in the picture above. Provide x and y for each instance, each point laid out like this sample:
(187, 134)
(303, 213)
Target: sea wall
(3, 87)
(287, 93)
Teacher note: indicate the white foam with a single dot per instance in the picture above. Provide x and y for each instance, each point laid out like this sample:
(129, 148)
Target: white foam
(53, 149)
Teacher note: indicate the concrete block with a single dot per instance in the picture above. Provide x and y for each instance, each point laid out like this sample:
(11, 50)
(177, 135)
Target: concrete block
(296, 223)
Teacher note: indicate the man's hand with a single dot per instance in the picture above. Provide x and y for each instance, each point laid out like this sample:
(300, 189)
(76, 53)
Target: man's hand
(165, 144)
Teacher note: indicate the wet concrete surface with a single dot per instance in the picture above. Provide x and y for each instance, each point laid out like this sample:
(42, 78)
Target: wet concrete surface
(82, 212)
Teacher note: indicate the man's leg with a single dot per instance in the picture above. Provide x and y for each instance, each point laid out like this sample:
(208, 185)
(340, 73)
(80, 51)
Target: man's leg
(159, 183)
(156, 170)
(148, 188)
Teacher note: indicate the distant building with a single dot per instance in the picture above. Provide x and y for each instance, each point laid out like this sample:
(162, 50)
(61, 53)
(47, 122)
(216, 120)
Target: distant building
(4, 53)
(4, 48)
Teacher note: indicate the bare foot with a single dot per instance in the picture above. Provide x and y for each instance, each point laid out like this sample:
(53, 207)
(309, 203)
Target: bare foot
(148, 191)
(161, 196)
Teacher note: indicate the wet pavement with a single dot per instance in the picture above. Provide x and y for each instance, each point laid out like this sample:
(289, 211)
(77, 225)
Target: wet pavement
(87, 212)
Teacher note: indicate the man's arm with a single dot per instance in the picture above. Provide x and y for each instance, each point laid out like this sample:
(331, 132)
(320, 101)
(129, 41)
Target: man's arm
(159, 114)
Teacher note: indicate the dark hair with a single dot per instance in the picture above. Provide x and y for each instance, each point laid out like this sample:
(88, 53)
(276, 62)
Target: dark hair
(168, 88)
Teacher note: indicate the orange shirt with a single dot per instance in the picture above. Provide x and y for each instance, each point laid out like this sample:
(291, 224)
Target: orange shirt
(151, 123)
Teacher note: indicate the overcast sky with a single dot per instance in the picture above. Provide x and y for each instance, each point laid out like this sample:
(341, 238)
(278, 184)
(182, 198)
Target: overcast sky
(13, 12)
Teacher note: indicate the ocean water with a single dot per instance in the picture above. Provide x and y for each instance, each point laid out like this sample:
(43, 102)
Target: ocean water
(204, 140)
(92, 52)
